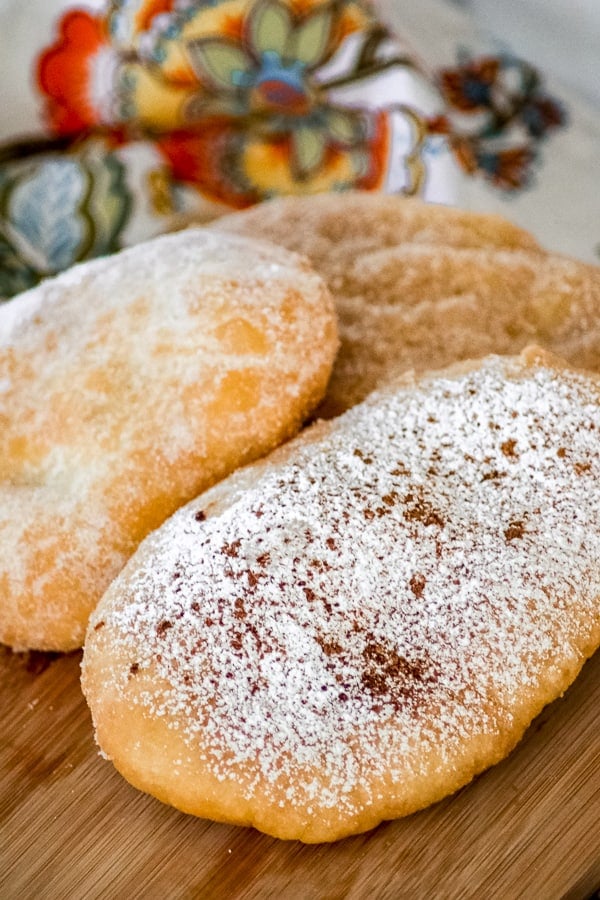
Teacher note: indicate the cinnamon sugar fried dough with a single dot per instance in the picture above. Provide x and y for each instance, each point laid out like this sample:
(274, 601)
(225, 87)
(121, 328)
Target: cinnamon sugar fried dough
(127, 386)
(335, 229)
(421, 286)
(356, 626)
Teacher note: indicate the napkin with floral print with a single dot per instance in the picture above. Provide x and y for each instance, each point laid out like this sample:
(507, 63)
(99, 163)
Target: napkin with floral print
(123, 119)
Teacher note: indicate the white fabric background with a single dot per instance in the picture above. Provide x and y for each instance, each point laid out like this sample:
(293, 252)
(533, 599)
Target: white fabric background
(562, 207)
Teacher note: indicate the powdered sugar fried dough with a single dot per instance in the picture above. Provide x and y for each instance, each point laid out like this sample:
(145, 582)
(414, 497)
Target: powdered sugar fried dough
(129, 384)
(355, 627)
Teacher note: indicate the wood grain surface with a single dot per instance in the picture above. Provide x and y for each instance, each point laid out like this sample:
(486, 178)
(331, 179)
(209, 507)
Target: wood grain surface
(71, 827)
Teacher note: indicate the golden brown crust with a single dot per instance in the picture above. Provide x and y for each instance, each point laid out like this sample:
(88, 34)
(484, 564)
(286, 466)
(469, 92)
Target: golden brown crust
(420, 286)
(333, 230)
(424, 307)
(355, 626)
(130, 384)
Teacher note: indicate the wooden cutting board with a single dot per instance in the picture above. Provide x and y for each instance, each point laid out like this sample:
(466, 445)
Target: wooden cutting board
(71, 827)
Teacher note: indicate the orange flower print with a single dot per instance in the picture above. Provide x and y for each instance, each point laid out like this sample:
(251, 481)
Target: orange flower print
(497, 113)
(469, 87)
(68, 73)
(239, 164)
(259, 77)
(208, 158)
(160, 109)
(508, 169)
(248, 80)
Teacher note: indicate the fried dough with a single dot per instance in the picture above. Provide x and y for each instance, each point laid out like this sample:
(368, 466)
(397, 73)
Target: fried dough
(356, 626)
(419, 286)
(127, 386)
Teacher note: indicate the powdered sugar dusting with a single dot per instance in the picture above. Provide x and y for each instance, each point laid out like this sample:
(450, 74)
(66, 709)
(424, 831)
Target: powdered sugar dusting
(129, 384)
(398, 584)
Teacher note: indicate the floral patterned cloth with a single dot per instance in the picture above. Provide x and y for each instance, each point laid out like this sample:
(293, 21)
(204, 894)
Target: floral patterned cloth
(558, 198)
(137, 114)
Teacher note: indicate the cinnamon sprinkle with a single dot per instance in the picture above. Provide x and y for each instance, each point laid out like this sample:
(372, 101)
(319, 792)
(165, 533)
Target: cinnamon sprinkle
(384, 632)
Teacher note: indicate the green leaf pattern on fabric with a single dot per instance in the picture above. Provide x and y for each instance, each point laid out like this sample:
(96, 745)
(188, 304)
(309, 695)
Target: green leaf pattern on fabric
(310, 39)
(270, 28)
(15, 275)
(234, 101)
(218, 60)
(344, 127)
(309, 148)
(56, 211)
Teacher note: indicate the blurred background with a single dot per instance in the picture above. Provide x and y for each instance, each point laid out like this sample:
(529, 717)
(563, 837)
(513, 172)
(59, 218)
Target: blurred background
(121, 120)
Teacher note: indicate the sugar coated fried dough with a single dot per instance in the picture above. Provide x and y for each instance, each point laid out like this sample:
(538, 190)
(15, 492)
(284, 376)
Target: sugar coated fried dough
(423, 307)
(127, 386)
(333, 230)
(421, 286)
(356, 626)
